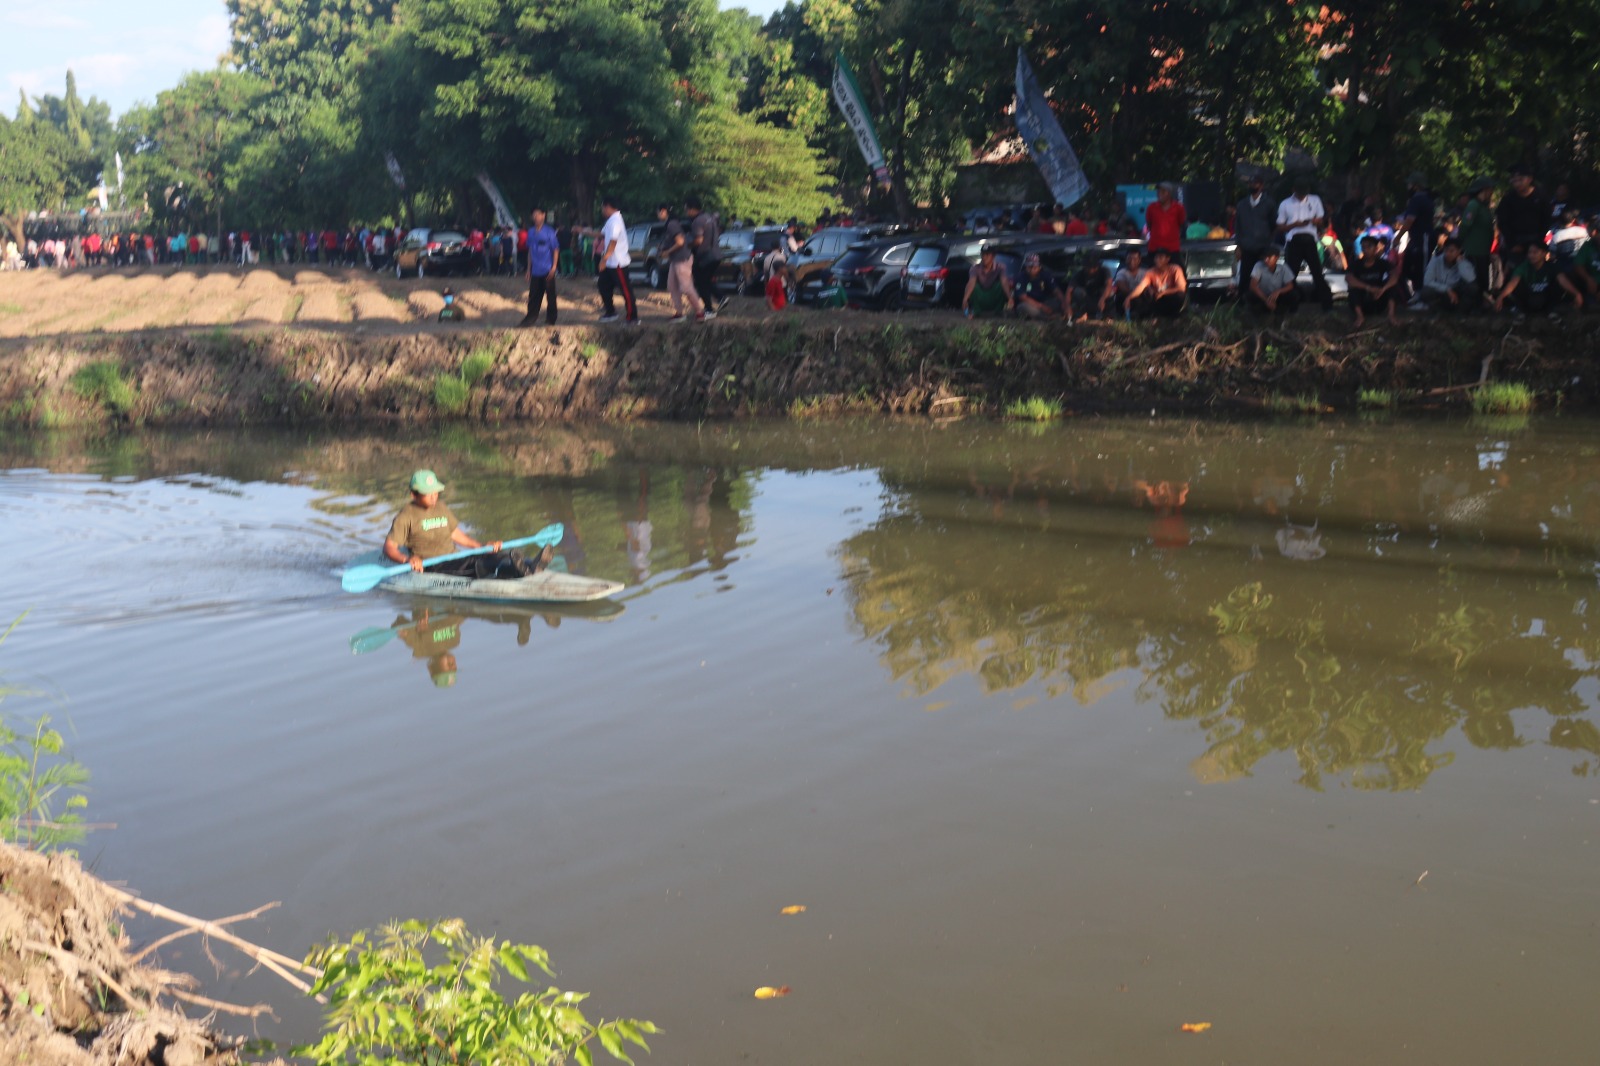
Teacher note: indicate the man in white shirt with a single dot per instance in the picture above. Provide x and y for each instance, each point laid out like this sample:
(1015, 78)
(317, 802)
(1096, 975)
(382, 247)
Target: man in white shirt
(1450, 283)
(614, 262)
(1300, 221)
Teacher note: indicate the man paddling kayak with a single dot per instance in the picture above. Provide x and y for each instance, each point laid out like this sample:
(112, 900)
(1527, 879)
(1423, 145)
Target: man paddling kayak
(426, 528)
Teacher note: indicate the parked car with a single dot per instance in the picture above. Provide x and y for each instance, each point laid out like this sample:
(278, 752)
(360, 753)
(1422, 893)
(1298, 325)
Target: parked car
(435, 252)
(1212, 268)
(938, 270)
(742, 253)
(644, 249)
(810, 264)
(869, 272)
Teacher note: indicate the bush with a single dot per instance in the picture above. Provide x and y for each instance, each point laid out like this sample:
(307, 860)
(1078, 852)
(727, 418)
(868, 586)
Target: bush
(387, 1004)
(1375, 398)
(1504, 398)
(1033, 409)
(477, 366)
(450, 394)
(34, 777)
(102, 382)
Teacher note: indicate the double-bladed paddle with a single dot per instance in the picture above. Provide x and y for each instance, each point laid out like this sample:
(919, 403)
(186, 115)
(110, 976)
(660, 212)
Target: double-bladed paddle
(368, 575)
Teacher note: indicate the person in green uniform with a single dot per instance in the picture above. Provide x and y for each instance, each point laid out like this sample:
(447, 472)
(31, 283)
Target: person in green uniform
(988, 288)
(426, 528)
(1477, 229)
(433, 640)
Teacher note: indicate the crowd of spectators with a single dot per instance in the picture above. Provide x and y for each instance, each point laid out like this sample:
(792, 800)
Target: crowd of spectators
(1526, 252)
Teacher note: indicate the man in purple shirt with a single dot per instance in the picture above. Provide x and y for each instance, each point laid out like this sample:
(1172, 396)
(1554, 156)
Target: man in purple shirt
(544, 257)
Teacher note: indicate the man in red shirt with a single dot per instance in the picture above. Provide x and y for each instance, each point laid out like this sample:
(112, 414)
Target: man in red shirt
(1165, 221)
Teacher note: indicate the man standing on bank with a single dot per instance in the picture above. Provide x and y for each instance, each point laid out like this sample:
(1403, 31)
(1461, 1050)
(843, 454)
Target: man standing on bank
(1300, 221)
(680, 267)
(426, 528)
(704, 233)
(614, 260)
(544, 258)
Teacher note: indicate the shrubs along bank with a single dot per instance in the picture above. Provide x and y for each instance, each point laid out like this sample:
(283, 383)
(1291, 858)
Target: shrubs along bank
(795, 366)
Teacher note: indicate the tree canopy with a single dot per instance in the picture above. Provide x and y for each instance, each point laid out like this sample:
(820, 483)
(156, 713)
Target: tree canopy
(558, 100)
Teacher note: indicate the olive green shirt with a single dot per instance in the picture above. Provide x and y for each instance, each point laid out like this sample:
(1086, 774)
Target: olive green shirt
(425, 533)
(1477, 229)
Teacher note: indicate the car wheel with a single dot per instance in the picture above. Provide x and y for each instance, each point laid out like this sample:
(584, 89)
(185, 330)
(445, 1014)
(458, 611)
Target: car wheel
(654, 277)
(894, 299)
(422, 269)
(398, 273)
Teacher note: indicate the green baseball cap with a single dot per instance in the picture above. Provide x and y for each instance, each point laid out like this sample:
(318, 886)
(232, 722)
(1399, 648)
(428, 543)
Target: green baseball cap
(444, 679)
(424, 481)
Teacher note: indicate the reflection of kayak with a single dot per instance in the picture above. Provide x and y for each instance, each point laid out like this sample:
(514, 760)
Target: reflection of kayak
(547, 586)
(496, 612)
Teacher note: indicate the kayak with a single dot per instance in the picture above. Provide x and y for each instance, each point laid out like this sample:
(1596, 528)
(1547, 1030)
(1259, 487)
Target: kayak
(547, 586)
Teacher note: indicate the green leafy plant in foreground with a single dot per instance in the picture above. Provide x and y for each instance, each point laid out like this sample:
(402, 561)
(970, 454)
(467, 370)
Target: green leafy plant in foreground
(1378, 398)
(388, 1004)
(34, 778)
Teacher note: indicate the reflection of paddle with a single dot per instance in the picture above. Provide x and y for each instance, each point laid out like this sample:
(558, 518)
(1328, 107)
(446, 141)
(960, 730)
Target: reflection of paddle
(368, 575)
(372, 638)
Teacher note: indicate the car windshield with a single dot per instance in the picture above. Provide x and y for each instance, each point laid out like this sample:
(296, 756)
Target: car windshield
(767, 241)
(927, 258)
(445, 236)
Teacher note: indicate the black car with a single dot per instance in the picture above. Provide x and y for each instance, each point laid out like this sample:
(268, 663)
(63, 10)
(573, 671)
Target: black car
(644, 249)
(743, 251)
(869, 272)
(936, 272)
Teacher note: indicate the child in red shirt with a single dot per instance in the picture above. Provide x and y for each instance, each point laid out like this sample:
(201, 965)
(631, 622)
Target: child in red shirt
(778, 288)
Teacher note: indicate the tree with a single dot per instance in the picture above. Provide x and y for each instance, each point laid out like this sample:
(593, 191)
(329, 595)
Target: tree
(753, 170)
(34, 169)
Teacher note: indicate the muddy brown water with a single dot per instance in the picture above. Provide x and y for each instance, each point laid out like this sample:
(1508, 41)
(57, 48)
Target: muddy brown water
(1064, 737)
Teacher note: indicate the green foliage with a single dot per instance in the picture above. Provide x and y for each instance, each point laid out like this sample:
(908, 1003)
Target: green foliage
(1503, 397)
(450, 394)
(1033, 409)
(1305, 404)
(388, 1003)
(477, 365)
(39, 797)
(102, 382)
(1375, 398)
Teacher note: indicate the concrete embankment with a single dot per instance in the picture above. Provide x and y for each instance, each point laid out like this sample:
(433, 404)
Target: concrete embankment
(797, 364)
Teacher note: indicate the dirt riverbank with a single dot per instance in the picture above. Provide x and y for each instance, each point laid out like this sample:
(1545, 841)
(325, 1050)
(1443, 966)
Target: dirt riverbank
(200, 348)
(71, 994)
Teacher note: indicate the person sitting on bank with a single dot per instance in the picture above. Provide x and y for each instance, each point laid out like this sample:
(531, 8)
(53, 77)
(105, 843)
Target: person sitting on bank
(1374, 284)
(1538, 284)
(1450, 283)
(451, 311)
(1092, 289)
(1126, 279)
(426, 528)
(988, 289)
(1272, 289)
(1163, 292)
(1039, 295)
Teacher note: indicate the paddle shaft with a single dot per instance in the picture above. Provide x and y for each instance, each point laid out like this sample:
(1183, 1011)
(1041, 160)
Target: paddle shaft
(369, 575)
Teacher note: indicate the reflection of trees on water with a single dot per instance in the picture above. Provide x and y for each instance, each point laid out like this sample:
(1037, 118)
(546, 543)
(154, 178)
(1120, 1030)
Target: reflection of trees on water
(1449, 589)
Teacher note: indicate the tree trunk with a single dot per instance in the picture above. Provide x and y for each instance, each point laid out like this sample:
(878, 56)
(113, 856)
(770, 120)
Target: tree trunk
(583, 176)
(13, 224)
(902, 201)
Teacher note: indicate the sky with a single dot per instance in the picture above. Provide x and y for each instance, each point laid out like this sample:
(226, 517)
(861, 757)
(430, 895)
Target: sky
(124, 51)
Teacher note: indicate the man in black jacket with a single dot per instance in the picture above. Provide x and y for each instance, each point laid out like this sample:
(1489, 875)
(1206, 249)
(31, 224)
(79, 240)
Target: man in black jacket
(1523, 217)
(1255, 227)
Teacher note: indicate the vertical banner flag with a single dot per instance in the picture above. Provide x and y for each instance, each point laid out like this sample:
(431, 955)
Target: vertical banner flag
(395, 174)
(120, 201)
(847, 94)
(503, 215)
(1040, 131)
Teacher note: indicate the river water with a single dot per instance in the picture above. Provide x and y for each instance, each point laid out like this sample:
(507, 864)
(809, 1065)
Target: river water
(1063, 736)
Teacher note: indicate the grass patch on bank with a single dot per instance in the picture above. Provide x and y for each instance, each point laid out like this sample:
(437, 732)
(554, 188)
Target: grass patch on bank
(1304, 404)
(1375, 398)
(10, 309)
(1033, 409)
(1503, 398)
(450, 391)
(102, 382)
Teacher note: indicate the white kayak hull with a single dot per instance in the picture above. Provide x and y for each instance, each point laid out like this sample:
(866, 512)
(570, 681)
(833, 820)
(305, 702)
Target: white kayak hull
(547, 586)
